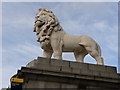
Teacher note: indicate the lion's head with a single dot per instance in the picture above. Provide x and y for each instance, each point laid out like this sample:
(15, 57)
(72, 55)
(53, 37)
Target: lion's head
(45, 24)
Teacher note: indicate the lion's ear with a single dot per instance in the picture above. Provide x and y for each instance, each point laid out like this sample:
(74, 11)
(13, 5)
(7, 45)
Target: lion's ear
(40, 9)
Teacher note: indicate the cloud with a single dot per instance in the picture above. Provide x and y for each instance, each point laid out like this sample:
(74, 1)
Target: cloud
(28, 49)
(21, 21)
(25, 50)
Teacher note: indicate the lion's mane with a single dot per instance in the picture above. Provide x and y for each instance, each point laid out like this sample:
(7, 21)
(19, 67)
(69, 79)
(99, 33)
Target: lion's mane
(51, 24)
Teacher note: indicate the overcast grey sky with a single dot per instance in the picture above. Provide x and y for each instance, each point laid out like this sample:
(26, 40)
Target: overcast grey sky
(96, 19)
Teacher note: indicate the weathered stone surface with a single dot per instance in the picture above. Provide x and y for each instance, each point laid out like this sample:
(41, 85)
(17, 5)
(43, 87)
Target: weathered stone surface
(111, 69)
(113, 75)
(41, 84)
(75, 70)
(84, 77)
(78, 65)
(86, 72)
(109, 75)
(32, 63)
(66, 69)
(73, 67)
(102, 68)
(59, 63)
(44, 65)
(49, 67)
(34, 84)
(52, 85)
(69, 86)
(42, 60)
(96, 73)
(96, 67)
(45, 73)
(104, 74)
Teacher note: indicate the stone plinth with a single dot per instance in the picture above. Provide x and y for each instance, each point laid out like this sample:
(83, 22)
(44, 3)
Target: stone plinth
(45, 73)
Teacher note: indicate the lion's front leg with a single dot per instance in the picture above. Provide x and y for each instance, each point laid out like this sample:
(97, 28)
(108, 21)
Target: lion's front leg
(47, 54)
(57, 55)
(57, 49)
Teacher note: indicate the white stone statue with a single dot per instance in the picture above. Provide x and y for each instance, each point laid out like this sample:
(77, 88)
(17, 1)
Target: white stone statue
(54, 40)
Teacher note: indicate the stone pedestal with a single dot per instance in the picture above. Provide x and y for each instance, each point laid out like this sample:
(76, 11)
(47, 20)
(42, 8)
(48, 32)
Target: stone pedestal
(45, 73)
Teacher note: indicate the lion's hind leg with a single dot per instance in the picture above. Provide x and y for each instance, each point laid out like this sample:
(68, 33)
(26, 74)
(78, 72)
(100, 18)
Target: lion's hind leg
(95, 54)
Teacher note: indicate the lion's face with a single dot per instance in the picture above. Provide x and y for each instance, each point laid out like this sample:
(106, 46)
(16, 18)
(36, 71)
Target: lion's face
(41, 18)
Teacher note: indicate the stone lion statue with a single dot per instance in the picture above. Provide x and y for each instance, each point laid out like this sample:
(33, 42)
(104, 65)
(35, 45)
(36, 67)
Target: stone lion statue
(54, 40)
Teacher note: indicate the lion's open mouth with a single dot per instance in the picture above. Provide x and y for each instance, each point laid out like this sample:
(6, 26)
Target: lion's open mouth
(39, 23)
